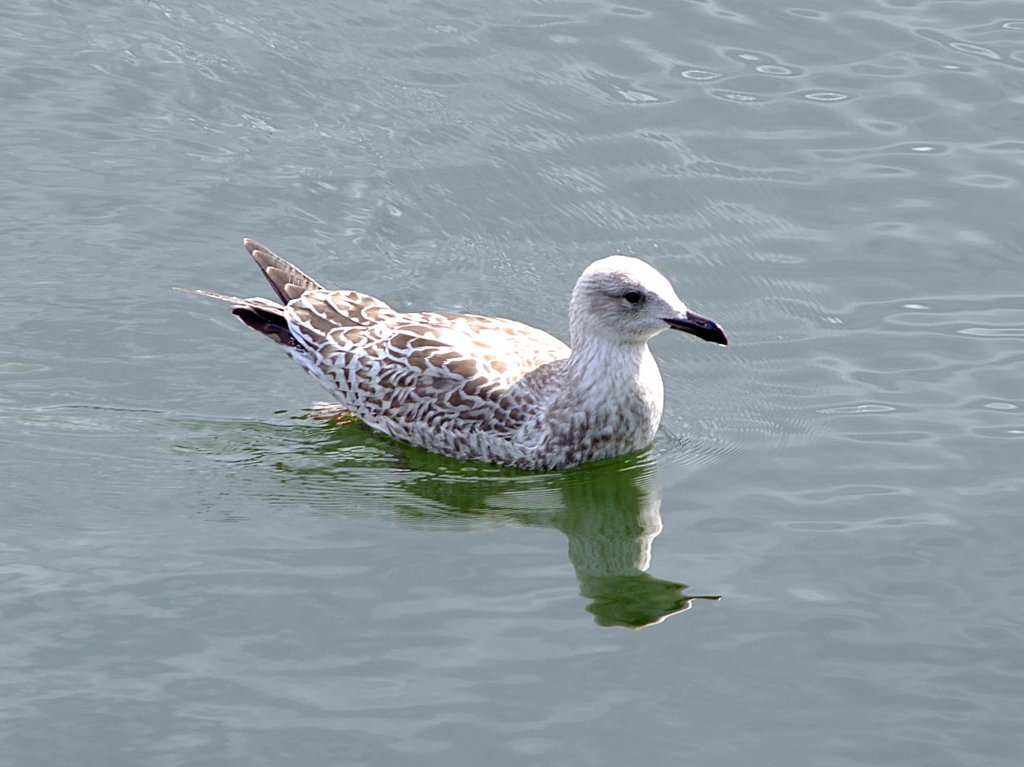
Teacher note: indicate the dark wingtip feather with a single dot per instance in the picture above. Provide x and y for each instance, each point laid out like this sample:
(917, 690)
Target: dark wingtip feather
(287, 280)
(269, 323)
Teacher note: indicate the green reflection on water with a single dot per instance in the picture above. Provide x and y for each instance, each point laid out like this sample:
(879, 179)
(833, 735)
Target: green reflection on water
(609, 511)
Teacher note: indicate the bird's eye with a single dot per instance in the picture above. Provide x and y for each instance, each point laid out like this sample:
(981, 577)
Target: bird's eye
(633, 296)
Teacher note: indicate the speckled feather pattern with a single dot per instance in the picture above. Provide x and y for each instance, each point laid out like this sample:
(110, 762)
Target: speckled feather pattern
(468, 386)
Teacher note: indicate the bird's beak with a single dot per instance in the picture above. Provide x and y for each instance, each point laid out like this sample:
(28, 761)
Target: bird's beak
(698, 326)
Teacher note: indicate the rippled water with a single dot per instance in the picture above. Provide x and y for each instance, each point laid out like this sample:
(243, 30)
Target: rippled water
(823, 544)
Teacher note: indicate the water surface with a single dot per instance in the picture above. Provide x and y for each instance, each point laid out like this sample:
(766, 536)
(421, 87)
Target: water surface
(197, 571)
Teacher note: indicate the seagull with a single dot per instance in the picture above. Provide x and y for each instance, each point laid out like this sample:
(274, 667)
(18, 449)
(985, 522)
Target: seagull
(486, 388)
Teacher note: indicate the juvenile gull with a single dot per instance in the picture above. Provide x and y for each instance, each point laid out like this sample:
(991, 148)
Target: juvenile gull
(485, 388)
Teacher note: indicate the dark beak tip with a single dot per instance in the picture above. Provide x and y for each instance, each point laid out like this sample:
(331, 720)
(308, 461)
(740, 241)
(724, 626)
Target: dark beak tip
(718, 338)
(702, 327)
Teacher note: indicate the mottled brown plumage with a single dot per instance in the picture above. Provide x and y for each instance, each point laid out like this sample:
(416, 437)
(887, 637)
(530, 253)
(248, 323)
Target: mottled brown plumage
(485, 388)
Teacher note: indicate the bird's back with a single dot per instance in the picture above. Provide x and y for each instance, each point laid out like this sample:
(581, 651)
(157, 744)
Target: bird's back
(426, 377)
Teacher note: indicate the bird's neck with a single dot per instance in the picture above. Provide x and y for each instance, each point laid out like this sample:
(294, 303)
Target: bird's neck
(607, 371)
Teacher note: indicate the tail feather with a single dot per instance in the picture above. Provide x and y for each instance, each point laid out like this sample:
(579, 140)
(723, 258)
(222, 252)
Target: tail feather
(261, 314)
(287, 280)
(258, 313)
(270, 323)
(219, 296)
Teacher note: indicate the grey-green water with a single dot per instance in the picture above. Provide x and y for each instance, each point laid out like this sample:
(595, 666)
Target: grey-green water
(196, 572)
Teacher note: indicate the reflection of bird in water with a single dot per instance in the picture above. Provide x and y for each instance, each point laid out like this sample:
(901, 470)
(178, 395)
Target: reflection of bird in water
(486, 388)
(610, 512)
(611, 520)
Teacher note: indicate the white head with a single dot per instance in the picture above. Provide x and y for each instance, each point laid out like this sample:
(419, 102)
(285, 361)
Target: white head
(624, 300)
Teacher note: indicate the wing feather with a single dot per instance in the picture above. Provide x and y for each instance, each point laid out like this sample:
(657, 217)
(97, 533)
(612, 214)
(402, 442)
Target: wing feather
(452, 372)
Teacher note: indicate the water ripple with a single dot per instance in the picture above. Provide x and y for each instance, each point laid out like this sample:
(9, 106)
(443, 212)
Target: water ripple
(836, 185)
